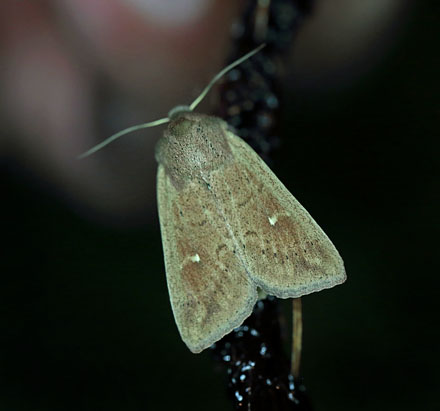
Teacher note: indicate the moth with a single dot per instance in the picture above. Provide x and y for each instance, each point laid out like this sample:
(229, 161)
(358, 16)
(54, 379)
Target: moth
(229, 227)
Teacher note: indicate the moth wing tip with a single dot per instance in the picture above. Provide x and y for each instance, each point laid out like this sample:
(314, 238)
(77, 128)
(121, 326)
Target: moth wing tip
(199, 345)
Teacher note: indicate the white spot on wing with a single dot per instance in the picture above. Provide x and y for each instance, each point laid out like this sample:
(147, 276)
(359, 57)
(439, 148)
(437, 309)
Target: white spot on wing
(273, 220)
(195, 258)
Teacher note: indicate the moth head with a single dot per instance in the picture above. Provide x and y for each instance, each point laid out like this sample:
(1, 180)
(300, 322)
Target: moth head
(174, 112)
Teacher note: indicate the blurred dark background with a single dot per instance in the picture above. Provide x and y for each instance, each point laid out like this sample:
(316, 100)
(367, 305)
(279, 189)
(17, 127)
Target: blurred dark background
(85, 318)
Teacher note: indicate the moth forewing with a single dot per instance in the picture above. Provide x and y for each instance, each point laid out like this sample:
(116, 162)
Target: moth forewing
(285, 252)
(209, 288)
(228, 227)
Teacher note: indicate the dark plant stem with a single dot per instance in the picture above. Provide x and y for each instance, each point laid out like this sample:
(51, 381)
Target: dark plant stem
(258, 369)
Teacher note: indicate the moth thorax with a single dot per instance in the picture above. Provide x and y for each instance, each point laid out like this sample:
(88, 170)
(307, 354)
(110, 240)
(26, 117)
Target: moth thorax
(192, 146)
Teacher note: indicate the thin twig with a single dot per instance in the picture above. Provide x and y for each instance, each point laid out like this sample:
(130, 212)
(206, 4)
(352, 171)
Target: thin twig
(296, 336)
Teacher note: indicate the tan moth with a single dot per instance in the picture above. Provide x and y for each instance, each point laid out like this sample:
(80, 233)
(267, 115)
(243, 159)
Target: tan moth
(229, 227)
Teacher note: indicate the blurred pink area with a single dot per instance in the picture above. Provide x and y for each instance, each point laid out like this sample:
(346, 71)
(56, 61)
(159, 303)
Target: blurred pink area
(148, 56)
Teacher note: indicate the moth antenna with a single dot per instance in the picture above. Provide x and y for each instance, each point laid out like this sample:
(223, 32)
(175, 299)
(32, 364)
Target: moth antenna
(193, 105)
(219, 75)
(121, 133)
